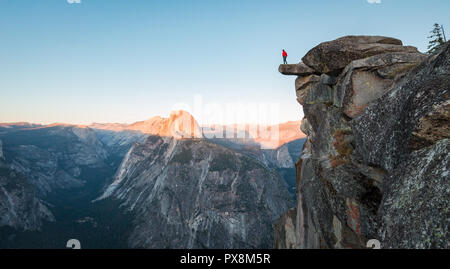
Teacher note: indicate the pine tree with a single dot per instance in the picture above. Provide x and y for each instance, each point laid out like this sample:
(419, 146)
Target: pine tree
(437, 39)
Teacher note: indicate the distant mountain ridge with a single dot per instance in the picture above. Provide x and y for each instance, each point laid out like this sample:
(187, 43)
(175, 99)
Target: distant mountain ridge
(268, 137)
(181, 124)
(64, 167)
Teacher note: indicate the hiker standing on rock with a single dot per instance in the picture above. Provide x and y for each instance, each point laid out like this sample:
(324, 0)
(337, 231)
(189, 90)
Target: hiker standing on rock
(284, 57)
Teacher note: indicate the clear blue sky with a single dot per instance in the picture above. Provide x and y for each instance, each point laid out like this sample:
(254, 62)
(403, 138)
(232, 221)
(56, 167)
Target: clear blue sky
(128, 60)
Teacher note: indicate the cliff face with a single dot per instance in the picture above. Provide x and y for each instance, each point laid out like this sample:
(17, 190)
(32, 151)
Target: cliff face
(376, 161)
(191, 193)
(19, 207)
(204, 195)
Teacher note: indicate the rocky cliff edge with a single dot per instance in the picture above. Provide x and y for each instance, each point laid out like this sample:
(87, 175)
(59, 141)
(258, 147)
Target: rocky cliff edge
(376, 162)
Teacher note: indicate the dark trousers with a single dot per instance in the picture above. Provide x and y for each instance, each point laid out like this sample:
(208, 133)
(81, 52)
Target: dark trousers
(284, 60)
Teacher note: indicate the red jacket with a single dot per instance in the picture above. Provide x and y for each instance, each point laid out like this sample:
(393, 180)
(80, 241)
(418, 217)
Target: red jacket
(284, 54)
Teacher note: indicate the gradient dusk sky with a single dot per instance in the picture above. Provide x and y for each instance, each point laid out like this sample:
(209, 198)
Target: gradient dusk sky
(129, 60)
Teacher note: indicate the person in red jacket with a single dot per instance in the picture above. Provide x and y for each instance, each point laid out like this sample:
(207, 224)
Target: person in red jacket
(284, 57)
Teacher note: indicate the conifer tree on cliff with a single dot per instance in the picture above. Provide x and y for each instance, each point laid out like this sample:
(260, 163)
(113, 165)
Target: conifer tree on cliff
(437, 39)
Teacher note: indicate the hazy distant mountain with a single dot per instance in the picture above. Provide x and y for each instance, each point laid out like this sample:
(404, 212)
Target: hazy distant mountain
(256, 135)
(18, 125)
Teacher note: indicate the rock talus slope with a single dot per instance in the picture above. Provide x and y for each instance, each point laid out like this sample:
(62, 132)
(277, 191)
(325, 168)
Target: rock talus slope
(376, 161)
